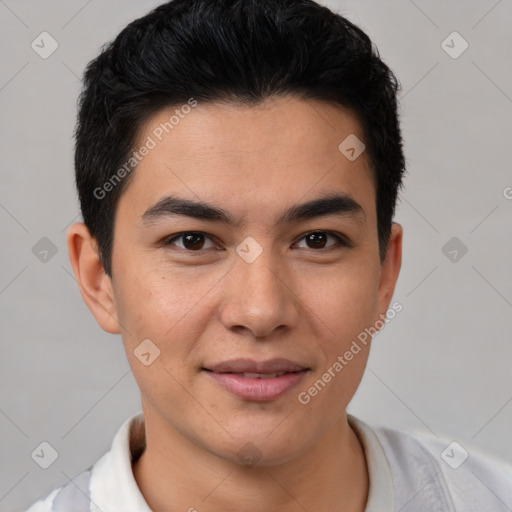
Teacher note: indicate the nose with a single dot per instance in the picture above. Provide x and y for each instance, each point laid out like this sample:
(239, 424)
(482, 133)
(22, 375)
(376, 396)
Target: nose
(257, 299)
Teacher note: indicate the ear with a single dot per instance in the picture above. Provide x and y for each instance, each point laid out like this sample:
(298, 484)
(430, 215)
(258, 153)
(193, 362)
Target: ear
(390, 269)
(95, 285)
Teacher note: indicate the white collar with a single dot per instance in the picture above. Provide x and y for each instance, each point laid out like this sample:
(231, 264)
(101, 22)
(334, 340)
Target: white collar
(114, 470)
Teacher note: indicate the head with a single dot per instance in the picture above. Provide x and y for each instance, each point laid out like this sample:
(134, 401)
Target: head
(245, 107)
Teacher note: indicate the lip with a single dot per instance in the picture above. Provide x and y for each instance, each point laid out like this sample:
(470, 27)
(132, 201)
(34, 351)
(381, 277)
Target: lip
(230, 375)
(276, 365)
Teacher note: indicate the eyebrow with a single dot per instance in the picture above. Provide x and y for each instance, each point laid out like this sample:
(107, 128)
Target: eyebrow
(331, 204)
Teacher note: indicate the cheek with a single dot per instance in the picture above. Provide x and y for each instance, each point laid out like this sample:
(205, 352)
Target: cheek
(329, 393)
(164, 310)
(147, 299)
(169, 308)
(346, 301)
(346, 308)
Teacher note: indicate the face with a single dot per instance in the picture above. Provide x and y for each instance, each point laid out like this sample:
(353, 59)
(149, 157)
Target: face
(250, 281)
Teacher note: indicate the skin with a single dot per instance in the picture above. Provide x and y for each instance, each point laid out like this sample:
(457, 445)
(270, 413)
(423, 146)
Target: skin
(202, 307)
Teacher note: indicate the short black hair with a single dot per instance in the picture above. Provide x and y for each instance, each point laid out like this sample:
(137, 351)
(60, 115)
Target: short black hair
(239, 51)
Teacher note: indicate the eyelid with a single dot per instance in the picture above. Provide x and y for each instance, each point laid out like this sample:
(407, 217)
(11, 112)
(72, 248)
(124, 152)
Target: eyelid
(168, 239)
(342, 240)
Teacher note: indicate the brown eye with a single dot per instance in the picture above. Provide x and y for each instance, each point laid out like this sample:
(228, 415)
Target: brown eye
(316, 240)
(191, 241)
(319, 240)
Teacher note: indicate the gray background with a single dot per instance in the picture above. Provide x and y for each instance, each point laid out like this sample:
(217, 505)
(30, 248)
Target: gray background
(442, 365)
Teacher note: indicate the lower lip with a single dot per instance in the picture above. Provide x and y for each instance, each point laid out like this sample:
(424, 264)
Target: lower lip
(257, 390)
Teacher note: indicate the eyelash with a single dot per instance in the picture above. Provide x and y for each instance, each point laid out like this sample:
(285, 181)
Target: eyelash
(341, 240)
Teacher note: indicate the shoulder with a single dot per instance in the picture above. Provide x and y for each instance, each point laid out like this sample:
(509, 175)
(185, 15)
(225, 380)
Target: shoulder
(46, 504)
(75, 494)
(109, 483)
(465, 477)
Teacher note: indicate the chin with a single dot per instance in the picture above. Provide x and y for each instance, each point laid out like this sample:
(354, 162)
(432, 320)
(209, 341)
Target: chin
(256, 448)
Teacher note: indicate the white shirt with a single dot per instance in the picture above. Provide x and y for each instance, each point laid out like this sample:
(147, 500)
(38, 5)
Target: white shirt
(406, 473)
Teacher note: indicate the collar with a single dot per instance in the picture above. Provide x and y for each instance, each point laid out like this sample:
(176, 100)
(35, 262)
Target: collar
(114, 470)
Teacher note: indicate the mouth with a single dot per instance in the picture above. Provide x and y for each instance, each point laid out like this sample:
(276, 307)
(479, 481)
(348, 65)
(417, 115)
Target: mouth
(257, 381)
(259, 375)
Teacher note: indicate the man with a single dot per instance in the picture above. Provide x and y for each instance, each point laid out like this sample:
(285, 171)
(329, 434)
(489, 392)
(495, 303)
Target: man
(238, 164)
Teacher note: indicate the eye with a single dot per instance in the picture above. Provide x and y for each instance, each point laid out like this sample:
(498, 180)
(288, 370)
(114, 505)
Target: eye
(318, 240)
(191, 241)
(195, 241)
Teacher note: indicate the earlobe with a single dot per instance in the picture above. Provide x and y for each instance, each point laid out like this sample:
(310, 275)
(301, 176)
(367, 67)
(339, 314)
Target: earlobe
(95, 286)
(390, 268)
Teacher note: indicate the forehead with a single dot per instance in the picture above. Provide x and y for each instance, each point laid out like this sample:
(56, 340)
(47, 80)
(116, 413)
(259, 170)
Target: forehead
(250, 157)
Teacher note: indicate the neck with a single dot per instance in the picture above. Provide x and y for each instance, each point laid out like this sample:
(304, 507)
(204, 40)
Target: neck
(175, 473)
